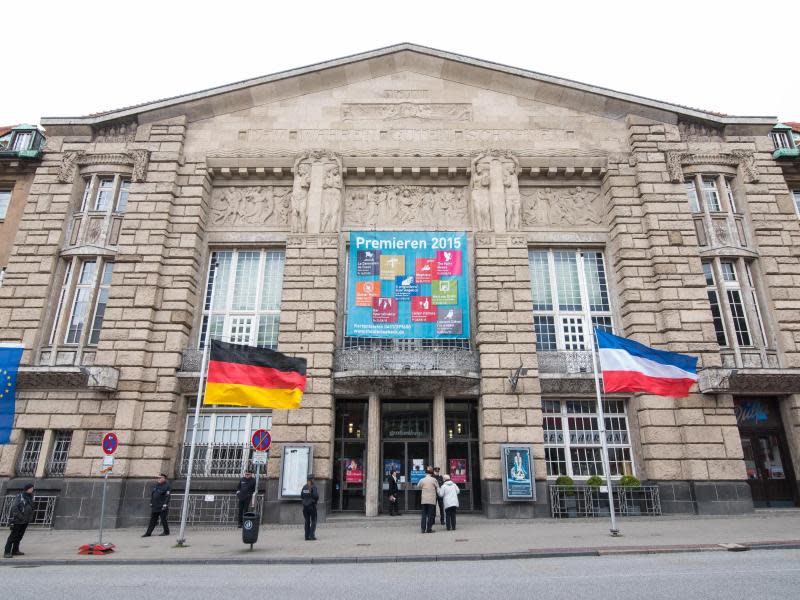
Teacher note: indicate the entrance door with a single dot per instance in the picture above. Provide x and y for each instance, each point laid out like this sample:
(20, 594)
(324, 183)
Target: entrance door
(766, 456)
(406, 447)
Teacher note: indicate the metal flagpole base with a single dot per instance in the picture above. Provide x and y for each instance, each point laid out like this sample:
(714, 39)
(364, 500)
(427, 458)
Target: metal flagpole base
(181, 543)
(96, 548)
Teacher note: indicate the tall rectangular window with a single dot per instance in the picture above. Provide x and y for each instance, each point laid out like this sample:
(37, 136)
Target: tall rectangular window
(572, 442)
(100, 303)
(796, 197)
(713, 298)
(105, 192)
(711, 194)
(62, 440)
(737, 303)
(31, 449)
(5, 201)
(80, 302)
(691, 193)
(560, 300)
(243, 297)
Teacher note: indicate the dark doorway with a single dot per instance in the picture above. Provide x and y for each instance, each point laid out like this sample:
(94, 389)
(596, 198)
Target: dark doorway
(406, 446)
(461, 422)
(766, 456)
(349, 457)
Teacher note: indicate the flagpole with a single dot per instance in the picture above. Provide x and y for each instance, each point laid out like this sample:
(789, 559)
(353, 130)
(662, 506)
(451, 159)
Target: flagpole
(600, 413)
(200, 389)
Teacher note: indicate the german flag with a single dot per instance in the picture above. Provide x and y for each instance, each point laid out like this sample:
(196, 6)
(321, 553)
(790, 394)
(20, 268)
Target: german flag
(246, 376)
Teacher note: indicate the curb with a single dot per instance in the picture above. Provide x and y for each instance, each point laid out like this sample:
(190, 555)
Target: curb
(529, 554)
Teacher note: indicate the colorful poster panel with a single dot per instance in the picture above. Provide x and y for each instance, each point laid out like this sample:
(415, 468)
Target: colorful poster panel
(518, 476)
(458, 470)
(353, 470)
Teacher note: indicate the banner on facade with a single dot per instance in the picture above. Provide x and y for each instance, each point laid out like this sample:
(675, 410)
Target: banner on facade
(408, 284)
(10, 355)
(518, 477)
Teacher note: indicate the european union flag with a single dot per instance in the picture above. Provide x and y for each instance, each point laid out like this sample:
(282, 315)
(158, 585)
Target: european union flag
(10, 356)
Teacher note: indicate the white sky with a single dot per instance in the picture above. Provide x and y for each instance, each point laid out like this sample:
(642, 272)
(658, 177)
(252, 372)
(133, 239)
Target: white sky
(72, 58)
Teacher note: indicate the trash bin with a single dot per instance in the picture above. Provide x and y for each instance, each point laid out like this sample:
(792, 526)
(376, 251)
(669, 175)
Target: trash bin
(250, 523)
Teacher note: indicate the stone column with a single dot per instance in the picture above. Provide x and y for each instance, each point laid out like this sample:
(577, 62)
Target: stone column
(374, 471)
(439, 434)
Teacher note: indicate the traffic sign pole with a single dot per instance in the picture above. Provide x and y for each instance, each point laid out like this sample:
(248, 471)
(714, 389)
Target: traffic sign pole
(260, 440)
(103, 509)
(109, 445)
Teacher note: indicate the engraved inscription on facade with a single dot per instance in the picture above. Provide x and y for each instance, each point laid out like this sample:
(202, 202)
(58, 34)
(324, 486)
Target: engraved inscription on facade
(440, 111)
(250, 206)
(561, 206)
(406, 205)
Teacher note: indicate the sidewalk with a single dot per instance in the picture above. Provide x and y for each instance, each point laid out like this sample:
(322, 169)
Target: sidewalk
(387, 539)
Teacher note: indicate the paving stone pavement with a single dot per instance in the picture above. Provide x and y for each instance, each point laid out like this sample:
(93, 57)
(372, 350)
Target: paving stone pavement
(399, 539)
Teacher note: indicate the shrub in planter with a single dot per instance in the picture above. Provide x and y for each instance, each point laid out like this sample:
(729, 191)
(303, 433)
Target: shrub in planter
(567, 492)
(599, 503)
(595, 481)
(629, 482)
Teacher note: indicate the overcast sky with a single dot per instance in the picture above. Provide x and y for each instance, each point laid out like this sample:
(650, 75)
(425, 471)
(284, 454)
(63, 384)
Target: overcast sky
(73, 58)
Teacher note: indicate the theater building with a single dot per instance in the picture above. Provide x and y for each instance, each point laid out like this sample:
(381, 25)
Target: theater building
(234, 213)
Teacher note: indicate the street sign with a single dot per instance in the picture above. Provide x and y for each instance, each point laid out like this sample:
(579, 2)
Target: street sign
(108, 461)
(259, 458)
(261, 440)
(110, 443)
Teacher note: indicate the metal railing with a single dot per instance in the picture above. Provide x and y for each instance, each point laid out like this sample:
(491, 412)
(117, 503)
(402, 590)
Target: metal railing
(29, 457)
(43, 510)
(217, 460)
(60, 454)
(373, 359)
(584, 501)
(565, 361)
(211, 511)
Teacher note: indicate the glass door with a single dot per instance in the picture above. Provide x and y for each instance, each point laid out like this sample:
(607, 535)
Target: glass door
(350, 454)
(406, 434)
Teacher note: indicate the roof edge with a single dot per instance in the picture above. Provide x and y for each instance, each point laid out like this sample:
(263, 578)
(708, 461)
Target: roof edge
(353, 58)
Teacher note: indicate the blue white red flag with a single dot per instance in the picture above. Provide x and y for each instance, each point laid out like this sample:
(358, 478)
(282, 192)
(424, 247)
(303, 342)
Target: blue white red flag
(10, 355)
(629, 366)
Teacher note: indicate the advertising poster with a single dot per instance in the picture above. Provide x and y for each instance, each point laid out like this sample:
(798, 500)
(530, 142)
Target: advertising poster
(353, 470)
(417, 469)
(391, 464)
(458, 470)
(518, 480)
(408, 284)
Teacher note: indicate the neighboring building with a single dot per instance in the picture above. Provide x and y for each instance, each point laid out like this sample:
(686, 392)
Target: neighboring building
(676, 214)
(20, 154)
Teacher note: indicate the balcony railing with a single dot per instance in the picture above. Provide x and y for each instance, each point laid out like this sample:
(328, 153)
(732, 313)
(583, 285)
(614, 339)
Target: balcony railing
(585, 501)
(226, 461)
(565, 361)
(363, 359)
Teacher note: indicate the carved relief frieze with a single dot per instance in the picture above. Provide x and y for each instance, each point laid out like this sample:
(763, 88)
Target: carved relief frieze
(698, 132)
(116, 132)
(439, 111)
(405, 205)
(737, 158)
(138, 159)
(330, 207)
(263, 206)
(561, 206)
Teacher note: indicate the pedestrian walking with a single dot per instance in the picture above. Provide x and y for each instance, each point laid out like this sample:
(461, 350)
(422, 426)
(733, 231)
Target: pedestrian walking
(449, 496)
(21, 515)
(430, 492)
(159, 505)
(244, 492)
(394, 494)
(440, 480)
(310, 496)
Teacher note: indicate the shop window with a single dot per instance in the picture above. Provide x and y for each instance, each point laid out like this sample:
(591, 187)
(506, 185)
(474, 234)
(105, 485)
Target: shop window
(564, 283)
(222, 445)
(5, 201)
(57, 463)
(104, 193)
(572, 438)
(246, 287)
(31, 449)
(83, 299)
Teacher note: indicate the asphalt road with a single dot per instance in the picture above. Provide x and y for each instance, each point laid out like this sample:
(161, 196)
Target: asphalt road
(762, 575)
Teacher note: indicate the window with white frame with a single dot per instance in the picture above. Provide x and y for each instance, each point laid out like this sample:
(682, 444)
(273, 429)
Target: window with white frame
(705, 193)
(82, 299)
(572, 443)
(728, 292)
(561, 294)
(22, 141)
(782, 138)
(243, 297)
(796, 197)
(5, 201)
(105, 193)
(222, 445)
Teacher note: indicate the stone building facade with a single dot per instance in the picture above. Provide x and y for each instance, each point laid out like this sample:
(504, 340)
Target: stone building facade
(665, 224)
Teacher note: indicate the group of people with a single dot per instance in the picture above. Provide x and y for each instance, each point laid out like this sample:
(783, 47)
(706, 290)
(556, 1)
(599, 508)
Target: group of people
(437, 490)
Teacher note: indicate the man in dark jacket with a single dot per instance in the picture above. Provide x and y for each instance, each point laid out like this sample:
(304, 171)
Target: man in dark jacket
(394, 494)
(310, 496)
(159, 505)
(21, 515)
(437, 475)
(244, 492)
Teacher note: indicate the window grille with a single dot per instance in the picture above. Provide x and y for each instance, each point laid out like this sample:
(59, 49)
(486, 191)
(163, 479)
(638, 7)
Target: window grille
(60, 454)
(31, 449)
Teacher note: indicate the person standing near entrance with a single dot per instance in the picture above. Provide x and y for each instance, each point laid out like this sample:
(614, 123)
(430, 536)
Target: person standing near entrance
(21, 515)
(440, 480)
(394, 494)
(430, 492)
(159, 505)
(310, 496)
(244, 492)
(448, 493)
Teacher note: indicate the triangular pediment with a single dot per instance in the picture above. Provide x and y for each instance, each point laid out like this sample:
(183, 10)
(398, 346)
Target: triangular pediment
(393, 61)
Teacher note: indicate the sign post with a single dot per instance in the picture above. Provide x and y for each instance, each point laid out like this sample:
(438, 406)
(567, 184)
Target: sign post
(261, 441)
(109, 445)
